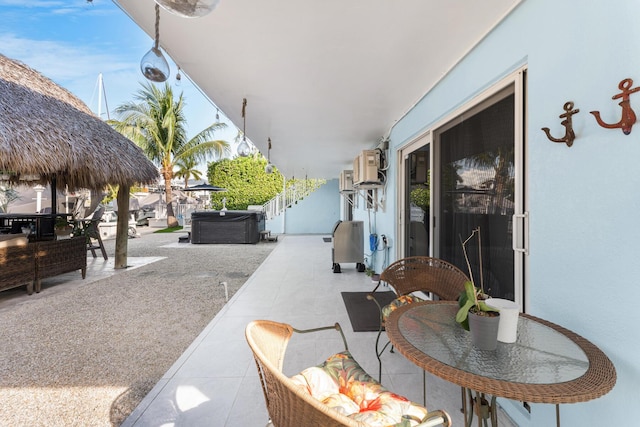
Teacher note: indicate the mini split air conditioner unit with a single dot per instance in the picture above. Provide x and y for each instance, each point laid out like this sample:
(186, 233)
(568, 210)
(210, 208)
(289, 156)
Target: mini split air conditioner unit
(346, 181)
(365, 168)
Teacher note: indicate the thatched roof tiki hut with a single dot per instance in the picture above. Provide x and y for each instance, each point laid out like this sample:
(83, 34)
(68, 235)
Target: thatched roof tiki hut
(51, 136)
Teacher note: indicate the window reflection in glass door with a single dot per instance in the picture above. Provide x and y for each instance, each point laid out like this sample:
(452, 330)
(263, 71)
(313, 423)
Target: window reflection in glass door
(418, 202)
(477, 189)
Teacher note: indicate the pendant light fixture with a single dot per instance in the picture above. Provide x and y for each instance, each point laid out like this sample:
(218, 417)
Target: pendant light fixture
(244, 150)
(153, 64)
(189, 8)
(269, 167)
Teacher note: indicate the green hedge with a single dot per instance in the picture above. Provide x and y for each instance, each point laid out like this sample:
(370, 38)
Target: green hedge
(246, 181)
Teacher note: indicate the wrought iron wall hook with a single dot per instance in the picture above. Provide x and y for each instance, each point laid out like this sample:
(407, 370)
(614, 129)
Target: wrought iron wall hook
(569, 134)
(628, 118)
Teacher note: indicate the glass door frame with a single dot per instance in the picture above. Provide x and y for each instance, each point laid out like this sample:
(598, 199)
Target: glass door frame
(403, 187)
(517, 80)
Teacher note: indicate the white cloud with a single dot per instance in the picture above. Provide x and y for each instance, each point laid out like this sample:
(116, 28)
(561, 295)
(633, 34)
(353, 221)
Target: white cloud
(76, 67)
(34, 3)
(58, 60)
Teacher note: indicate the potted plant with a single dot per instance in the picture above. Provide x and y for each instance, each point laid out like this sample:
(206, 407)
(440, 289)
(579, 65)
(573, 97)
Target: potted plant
(375, 277)
(62, 227)
(474, 314)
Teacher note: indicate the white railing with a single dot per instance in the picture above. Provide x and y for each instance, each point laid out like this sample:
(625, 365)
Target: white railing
(272, 208)
(183, 212)
(290, 196)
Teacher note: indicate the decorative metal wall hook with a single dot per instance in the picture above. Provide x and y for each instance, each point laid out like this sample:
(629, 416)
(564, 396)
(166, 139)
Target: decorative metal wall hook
(628, 118)
(569, 135)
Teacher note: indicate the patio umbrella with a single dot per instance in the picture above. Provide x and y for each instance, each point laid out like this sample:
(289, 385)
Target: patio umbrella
(204, 187)
(49, 135)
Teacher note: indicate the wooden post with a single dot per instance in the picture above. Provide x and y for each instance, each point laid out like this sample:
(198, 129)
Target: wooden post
(54, 196)
(122, 228)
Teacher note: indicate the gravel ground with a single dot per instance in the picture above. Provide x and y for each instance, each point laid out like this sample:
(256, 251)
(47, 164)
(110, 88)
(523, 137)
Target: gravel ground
(86, 354)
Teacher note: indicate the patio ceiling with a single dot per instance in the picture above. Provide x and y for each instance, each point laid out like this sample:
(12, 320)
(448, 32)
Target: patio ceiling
(323, 79)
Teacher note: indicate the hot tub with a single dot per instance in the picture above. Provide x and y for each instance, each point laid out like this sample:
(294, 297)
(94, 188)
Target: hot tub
(226, 226)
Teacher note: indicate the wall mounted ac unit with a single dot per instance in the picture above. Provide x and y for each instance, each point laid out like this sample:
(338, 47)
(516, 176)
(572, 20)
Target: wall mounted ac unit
(365, 168)
(346, 181)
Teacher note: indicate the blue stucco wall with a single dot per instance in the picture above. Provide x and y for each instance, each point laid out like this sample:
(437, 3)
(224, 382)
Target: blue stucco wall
(316, 214)
(583, 200)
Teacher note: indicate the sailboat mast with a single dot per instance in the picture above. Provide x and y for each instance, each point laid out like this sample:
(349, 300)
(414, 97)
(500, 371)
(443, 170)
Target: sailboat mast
(100, 96)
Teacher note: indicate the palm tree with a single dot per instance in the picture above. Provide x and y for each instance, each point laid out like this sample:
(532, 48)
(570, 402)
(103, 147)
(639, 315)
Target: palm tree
(501, 161)
(187, 168)
(155, 121)
(7, 196)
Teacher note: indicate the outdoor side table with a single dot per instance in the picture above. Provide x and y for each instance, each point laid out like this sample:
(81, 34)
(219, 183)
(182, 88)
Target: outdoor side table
(546, 364)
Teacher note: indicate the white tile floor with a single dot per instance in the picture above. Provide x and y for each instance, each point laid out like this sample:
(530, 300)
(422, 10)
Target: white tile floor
(215, 382)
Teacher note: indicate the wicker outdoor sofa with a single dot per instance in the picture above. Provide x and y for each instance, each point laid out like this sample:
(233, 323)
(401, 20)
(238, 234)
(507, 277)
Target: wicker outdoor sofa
(27, 263)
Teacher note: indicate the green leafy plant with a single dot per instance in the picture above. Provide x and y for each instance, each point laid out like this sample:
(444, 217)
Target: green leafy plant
(62, 223)
(246, 182)
(472, 298)
(375, 277)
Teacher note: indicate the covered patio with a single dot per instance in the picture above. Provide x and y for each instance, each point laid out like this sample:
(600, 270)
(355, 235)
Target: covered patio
(444, 84)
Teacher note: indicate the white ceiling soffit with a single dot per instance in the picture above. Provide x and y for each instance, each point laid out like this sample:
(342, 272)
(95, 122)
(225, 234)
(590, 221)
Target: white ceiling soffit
(323, 79)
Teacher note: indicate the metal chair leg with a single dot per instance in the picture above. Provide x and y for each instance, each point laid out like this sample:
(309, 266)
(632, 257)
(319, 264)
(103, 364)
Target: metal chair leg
(424, 388)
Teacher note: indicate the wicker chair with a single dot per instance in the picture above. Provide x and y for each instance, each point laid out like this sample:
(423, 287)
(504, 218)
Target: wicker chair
(289, 403)
(91, 230)
(430, 275)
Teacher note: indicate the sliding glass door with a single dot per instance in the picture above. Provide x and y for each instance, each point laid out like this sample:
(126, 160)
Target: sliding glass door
(466, 174)
(476, 178)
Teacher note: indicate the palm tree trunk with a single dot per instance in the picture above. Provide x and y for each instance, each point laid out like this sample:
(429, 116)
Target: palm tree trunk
(171, 217)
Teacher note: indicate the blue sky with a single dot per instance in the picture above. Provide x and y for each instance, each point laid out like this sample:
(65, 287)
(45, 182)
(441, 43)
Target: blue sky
(73, 41)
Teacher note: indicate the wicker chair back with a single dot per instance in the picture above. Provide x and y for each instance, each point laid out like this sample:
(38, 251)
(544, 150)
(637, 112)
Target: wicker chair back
(425, 274)
(287, 404)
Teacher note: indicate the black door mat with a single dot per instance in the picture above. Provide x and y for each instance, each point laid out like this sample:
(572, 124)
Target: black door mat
(363, 313)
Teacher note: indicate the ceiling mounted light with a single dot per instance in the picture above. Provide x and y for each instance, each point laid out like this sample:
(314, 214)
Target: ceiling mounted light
(189, 8)
(244, 150)
(178, 77)
(269, 167)
(153, 64)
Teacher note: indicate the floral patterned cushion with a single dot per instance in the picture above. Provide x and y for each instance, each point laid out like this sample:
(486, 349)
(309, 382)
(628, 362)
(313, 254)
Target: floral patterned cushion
(402, 300)
(344, 386)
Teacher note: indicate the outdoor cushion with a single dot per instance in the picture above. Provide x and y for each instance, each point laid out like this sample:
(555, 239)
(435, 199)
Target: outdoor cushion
(401, 301)
(341, 384)
(7, 240)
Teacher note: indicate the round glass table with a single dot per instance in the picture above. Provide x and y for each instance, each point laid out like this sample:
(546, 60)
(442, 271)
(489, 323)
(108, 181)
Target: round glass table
(546, 364)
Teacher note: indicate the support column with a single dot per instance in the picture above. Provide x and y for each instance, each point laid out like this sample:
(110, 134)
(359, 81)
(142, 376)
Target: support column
(122, 228)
